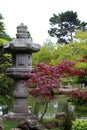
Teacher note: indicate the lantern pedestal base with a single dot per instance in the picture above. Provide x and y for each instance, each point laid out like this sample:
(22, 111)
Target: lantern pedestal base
(23, 119)
(19, 116)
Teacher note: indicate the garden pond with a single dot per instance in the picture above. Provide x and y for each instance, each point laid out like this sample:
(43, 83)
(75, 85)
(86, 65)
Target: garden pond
(56, 106)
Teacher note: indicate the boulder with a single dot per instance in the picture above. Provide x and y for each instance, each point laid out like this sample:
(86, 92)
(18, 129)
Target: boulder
(61, 114)
(1, 126)
(29, 125)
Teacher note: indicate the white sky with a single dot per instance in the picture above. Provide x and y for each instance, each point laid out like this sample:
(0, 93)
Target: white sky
(36, 14)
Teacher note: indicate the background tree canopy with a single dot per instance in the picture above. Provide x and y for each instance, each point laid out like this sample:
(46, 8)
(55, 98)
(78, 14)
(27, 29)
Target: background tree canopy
(3, 34)
(53, 54)
(64, 25)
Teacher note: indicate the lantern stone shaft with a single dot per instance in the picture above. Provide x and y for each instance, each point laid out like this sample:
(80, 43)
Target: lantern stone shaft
(21, 49)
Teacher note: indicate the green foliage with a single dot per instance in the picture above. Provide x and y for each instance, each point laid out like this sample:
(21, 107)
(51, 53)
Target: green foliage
(6, 84)
(81, 35)
(1, 23)
(5, 62)
(2, 41)
(69, 16)
(73, 80)
(82, 65)
(71, 52)
(79, 125)
(3, 34)
(45, 57)
(8, 125)
(5, 59)
(6, 92)
(45, 54)
(53, 54)
(81, 110)
(63, 107)
(63, 26)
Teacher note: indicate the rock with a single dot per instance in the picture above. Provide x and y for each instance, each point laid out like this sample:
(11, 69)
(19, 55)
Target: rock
(48, 125)
(0, 120)
(1, 126)
(29, 125)
(24, 126)
(61, 114)
(15, 129)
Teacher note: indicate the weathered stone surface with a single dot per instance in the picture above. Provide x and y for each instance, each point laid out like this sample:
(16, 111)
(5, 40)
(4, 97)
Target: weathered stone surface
(1, 126)
(20, 117)
(0, 121)
(22, 43)
(15, 129)
(61, 114)
(29, 125)
(21, 49)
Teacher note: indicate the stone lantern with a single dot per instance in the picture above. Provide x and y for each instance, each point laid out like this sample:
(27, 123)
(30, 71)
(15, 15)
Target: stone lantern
(21, 49)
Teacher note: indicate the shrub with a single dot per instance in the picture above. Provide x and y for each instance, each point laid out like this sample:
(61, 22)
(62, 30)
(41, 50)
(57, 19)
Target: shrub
(79, 125)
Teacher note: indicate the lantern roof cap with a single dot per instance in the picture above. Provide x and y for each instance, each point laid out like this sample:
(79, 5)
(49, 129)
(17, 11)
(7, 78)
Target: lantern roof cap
(22, 41)
(22, 31)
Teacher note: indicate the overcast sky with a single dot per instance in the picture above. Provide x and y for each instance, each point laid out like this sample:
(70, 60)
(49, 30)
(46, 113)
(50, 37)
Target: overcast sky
(36, 14)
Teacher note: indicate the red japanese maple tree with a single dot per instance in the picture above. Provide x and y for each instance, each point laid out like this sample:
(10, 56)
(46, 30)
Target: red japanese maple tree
(78, 97)
(45, 80)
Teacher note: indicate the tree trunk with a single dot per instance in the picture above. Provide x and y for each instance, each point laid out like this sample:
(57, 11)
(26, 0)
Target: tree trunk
(45, 110)
(36, 109)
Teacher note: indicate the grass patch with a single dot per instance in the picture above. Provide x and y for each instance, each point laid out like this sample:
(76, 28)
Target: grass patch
(55, 129)
(81, 110)
(8, 125)
(45, 120)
